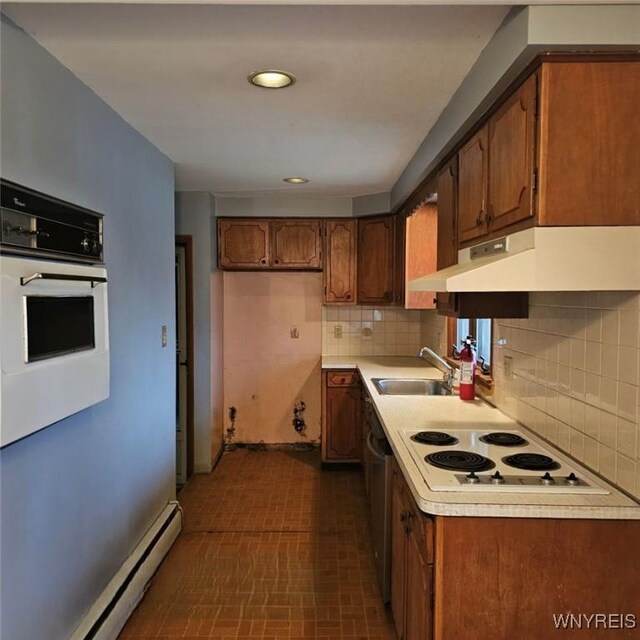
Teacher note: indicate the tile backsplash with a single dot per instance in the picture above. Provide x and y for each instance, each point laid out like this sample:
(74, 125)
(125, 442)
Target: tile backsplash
(367, 330)
(575, 371)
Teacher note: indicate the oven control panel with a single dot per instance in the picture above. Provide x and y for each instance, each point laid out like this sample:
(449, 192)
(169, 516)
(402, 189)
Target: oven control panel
(34, 224)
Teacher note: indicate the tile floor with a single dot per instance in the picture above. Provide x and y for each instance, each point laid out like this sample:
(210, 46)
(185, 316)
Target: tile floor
(272, 547)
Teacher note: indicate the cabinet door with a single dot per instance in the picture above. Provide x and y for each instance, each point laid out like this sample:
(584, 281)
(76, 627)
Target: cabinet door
(340, 261)
(375, 260)
(399, 259)
(419, 622)
(343, 435)
(472, 187)
(447, 254)
(511, 158)
(589, 143)
(398, 555)
(296, 244)
(243, 244)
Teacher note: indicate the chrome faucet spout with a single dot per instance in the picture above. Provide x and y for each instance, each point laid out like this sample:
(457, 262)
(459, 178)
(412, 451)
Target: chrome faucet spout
(433, 358)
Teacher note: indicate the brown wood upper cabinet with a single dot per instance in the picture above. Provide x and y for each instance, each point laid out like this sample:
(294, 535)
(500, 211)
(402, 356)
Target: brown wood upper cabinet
(243, 244)
(511, 166)
(376, 260)
(589, 149)
(472, 187)
(269, 244)
(447, 253)
(421, 240)
(296, 244)
(496, 168)
(340, 243)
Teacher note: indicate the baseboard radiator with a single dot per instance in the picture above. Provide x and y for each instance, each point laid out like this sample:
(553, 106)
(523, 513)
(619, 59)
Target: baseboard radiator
(116, 603)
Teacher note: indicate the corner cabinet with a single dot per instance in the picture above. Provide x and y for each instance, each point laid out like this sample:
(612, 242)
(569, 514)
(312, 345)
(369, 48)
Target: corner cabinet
(340, 247)
(341, 416)
(376, 258)
(277, 244)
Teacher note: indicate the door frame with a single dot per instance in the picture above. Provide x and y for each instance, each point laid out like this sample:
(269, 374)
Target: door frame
(187, 243)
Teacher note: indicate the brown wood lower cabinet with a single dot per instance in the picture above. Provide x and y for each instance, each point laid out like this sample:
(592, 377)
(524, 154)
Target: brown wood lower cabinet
(341, 411)
(463, 578)
(411, 564)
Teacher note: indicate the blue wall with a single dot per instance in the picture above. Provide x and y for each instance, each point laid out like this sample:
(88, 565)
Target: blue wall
(78, 496)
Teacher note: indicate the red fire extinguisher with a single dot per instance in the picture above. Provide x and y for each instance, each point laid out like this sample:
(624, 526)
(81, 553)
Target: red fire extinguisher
(467, 370)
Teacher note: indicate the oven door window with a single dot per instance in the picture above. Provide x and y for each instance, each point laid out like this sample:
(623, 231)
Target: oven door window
(57, 325)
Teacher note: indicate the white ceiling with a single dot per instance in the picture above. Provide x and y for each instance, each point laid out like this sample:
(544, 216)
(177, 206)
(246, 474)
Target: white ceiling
(371, 82)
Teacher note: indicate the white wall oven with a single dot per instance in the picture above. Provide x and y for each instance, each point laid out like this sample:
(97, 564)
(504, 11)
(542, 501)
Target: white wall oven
(54, 337)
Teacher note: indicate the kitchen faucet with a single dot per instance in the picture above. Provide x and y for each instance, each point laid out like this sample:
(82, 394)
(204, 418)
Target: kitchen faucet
(434, 359)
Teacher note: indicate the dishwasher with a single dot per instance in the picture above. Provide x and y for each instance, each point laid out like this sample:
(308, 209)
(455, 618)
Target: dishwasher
(379, 457)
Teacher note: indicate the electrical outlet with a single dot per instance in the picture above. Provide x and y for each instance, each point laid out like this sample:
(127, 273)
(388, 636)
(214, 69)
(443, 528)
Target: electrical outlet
(507, 364)
(337, 331)
(294, 332)
(165, 336)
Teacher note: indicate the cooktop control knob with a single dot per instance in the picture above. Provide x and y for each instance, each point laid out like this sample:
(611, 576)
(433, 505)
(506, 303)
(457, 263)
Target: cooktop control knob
(547, 479)
(472, 478)
(572, 479)
(497, 478)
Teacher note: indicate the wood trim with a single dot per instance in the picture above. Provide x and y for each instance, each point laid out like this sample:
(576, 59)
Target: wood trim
(187, 243)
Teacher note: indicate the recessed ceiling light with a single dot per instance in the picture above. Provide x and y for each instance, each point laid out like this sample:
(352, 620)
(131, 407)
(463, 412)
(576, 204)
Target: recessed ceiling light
(296, 180)
(271, 79)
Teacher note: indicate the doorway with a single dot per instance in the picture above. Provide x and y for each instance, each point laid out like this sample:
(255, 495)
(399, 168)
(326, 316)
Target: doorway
(184, 360)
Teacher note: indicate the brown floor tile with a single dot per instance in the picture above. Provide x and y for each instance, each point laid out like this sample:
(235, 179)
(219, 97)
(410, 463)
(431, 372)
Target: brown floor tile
(272, 547)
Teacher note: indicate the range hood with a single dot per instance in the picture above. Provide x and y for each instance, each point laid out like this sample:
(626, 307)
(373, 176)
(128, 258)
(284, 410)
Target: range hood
(545, 259)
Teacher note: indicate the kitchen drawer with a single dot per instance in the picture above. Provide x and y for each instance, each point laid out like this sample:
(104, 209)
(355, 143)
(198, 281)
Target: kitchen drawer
(343, 379)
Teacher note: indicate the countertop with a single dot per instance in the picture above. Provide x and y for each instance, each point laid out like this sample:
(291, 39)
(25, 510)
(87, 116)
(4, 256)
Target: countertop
(427, 412)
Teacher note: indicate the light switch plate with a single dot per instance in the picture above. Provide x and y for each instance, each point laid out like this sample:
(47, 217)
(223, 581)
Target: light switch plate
(165, 336)
(337, 331)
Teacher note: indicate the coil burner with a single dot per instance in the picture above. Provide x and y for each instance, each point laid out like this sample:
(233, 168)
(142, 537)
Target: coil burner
(531, 462)
(437, 438)
(459, 461)
(504, 439)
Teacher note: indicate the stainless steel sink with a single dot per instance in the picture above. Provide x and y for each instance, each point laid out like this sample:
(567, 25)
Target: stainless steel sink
(411, 387)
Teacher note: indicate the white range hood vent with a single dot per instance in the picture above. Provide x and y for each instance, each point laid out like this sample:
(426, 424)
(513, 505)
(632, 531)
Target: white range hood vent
(545, 259)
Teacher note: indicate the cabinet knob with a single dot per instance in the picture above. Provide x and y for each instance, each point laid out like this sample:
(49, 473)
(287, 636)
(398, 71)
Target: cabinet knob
(276, 261)
(263, 261)
(479, 221)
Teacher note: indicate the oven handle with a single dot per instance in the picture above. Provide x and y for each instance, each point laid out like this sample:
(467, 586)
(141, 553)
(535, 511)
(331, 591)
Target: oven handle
(94, 280)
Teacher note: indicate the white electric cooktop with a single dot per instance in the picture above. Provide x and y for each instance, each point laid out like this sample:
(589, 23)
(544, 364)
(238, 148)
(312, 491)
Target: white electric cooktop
(512, 461)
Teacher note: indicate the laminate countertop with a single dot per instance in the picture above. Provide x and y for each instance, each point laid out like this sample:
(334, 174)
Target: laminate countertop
(397, 413)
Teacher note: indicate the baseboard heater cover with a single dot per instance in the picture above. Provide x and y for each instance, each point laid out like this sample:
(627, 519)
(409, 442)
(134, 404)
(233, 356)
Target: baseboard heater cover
(116, 603)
